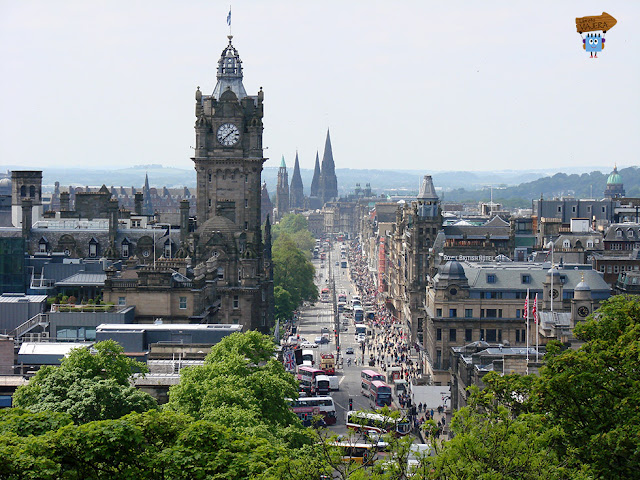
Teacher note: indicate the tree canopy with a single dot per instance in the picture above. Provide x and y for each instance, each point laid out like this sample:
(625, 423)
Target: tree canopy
(88, 386)
(293, 271)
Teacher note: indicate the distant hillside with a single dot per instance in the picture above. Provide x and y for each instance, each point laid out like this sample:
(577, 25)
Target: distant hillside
(512, 188)
(587, 185)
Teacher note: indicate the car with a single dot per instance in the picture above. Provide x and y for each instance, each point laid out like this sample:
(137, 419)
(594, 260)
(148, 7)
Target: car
(308, 345)
(337, 263)
(321, 340)
(349, 351)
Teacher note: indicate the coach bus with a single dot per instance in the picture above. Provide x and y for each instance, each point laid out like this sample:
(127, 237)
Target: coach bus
(358, 314)
(324, 295)
(367, 422)
(367, 377)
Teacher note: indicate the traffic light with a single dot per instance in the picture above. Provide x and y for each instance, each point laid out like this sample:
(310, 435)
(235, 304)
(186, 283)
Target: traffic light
(350, 404)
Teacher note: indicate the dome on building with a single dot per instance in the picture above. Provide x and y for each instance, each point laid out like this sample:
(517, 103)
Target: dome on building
(582, 287)
(217, 224)
(582, 291)
(553, 271)
(452, 270)
(615, 178)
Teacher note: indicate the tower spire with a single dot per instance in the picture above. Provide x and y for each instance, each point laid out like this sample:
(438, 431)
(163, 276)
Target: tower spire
(296, 191)
(328, 180)
(315, 182)
(229, 73)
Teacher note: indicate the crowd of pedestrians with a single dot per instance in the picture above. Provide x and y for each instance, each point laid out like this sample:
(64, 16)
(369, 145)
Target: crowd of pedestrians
(389, 347)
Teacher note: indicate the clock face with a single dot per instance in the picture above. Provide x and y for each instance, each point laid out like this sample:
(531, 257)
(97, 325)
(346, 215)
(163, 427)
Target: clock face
(555, 293)
(228, 134)
(583, 311)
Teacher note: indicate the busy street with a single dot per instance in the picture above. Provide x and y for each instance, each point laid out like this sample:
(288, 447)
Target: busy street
(350, 323)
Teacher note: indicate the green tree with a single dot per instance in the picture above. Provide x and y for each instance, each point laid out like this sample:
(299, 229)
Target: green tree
(241, 384)
(293, 271)
(593, 393)
(284, 305)
(87, 386)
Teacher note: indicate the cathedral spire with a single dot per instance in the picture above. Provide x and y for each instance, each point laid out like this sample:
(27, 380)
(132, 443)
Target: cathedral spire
(296, 191)
(147, 204)
(229, 73)
(315, 182)
(328, 181)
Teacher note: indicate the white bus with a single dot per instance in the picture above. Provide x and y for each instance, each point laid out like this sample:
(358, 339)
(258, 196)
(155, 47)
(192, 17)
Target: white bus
(307, 355)
(377, 423)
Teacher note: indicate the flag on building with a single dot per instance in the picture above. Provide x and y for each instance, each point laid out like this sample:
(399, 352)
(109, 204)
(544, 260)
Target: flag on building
(535, 309)
(289, 361)
(229, 17)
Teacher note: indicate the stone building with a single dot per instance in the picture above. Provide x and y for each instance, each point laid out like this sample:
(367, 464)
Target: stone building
(282, 190)
(408, 248)
(469, 301)
(266, 206)
(228, 161)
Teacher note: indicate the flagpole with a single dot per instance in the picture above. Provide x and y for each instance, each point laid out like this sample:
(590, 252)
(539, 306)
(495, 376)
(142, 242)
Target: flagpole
(527, 309)
(537, 326)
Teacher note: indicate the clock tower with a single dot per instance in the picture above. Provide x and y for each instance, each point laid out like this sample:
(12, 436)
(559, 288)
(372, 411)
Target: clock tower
(228, 161)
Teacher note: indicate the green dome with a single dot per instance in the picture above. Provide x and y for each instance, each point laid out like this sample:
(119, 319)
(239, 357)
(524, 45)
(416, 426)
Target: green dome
(614, 178)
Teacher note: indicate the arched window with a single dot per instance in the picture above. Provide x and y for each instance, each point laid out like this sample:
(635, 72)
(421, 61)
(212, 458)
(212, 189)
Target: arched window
(566, 244)
(32, 191)
(23, 191)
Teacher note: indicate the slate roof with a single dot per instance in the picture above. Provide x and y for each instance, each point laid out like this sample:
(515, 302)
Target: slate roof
(83, 279)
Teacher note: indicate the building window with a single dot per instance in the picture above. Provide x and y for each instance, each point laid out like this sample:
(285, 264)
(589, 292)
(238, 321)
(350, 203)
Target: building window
(122, 301)
(608, 268)
(482, 313)
(438, 312)
(452, 334)
(263, 321)
(453, 313)
(559, 209)
(517, 335)
(566, 244)
(526, 278)
(209, 202)
(518, 313)
(239, 275)
(589, 243)
(630, 233)
(236, 302)
(93, 250)
(468, 335)
(209, 177)
(438, 359)
(573, 209)
(246, 203)
(220, 273)
(619, 233)
(246, 225)
(43, 247)
(491, 278)
(499, 313)
(167, 250)
(604, 209)
(438, 334)
(125, 250)
(588, 208)
(482, 334)
(183, 303)
(616, 269)
(468, 312)
(491, 335)
(492, 313)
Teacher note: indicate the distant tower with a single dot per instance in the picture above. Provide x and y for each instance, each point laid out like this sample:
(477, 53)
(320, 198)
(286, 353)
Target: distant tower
(26, 185)
(296, 192)
(266, 204)
(328, 189)
(614, 188)
(147, 204)
(315, 182)
(282, 190)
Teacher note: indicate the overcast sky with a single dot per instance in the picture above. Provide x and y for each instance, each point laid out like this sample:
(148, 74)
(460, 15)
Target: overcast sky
(405, 85)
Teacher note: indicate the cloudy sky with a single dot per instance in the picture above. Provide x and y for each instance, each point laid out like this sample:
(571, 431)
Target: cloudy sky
(427, 85)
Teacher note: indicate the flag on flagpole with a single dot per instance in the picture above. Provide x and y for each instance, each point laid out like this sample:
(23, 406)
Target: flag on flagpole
(535, 309)
(526, 306)
(229, 17)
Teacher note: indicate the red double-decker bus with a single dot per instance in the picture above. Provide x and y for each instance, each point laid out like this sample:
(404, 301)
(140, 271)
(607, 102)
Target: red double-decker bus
(367, 377)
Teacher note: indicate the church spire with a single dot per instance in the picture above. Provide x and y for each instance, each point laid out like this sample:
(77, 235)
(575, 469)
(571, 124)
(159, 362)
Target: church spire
(296, 191)
(328, 180)
(315, 182)
(147, 204)
(229, 73)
